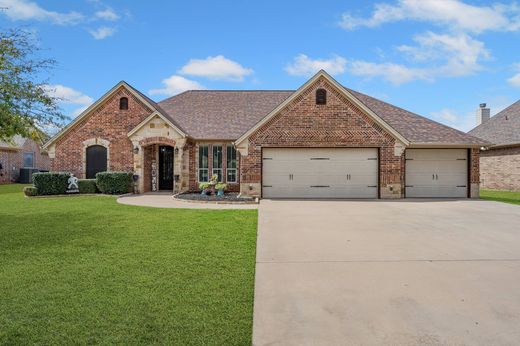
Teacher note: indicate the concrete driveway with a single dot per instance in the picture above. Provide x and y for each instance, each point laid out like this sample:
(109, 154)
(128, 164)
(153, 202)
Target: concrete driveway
(387, 272)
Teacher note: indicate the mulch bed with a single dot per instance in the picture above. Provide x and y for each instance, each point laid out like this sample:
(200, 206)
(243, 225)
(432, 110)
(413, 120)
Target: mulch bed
(228, 197)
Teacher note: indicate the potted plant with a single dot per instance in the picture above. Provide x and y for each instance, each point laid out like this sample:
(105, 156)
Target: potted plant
(204, 189)
(220, 187)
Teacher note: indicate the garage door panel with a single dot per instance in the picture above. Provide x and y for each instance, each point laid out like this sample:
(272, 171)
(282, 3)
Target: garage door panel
(436, 173)
(320, 172)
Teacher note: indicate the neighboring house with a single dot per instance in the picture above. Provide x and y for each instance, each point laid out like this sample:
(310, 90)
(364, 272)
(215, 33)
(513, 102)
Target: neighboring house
(500, 163)
(20, 153)
(320, 141)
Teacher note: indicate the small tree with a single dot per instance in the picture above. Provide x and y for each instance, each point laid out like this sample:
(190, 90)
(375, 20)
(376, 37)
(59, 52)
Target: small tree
(25, 103)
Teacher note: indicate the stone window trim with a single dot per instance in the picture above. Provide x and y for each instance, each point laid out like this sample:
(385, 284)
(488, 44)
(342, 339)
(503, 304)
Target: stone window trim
(210, 161)
(88, 143)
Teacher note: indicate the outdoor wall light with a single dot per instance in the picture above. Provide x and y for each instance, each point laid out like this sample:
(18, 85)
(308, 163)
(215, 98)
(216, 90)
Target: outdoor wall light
(176, 151)
(136, 150)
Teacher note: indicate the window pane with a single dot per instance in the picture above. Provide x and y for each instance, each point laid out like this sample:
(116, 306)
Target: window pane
(203, 156)
(28, 160)
(231, 157)
(203, 175)
(231, 175)
(217, 156)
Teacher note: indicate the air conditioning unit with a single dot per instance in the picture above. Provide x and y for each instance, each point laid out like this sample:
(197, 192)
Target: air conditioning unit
(26, 175)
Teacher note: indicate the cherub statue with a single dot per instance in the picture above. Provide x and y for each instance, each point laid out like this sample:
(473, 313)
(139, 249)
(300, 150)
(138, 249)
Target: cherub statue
(73, 182)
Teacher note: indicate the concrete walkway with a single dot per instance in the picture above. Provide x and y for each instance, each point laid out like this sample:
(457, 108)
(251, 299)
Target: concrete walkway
(387, 273)
(166, 200)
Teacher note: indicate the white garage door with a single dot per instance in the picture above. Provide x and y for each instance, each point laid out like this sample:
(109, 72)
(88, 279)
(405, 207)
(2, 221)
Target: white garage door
(319, 173)
(436, 173)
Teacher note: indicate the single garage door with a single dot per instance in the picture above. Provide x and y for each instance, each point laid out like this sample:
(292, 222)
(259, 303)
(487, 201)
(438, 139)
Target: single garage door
(436, 173)
(319, 173)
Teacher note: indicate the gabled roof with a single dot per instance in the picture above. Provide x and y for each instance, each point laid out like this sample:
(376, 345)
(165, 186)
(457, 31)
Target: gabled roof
(502, 129)
(221, 114)
(16, 143)
(140, 96)
(417, 129)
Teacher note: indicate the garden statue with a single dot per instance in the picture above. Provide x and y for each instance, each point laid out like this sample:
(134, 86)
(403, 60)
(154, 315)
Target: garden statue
(73, 182)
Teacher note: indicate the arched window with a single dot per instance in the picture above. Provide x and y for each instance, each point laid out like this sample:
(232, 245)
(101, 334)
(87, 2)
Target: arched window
(96, 160)
(321, 97)
(123, 103)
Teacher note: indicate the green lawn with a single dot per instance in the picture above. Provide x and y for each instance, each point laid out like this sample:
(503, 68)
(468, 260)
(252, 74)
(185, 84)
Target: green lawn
(501, 196)
(86, 270)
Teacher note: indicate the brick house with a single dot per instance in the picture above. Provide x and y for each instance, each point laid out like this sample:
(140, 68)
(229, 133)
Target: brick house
(20, 153)
(500, 162)
(320, 141)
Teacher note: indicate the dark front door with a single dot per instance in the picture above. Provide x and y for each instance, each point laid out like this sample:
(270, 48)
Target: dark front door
(165, 168)
(96, 160)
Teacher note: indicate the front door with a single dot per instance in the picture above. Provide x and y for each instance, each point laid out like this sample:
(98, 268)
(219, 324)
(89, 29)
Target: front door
(165, 168)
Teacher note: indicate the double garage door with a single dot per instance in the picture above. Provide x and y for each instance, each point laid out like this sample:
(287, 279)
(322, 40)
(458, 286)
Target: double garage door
(319, 173)
(353, 173)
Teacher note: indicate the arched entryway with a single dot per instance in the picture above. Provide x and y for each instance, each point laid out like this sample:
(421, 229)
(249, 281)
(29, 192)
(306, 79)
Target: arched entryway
(96, 160)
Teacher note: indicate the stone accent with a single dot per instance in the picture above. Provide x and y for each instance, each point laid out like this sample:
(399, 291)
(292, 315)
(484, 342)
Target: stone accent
(12, 160)
(500, 168)
(339, 123)
(90, 142)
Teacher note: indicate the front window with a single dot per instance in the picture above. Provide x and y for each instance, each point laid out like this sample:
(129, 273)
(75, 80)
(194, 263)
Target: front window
(217, 161)
(203, 163)
(231, 164)
(28, 160)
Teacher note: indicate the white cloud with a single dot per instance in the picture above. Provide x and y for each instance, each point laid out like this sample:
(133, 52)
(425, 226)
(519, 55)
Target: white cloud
(69, 96)
(102, 32)
(216, 68)
(305, 66)
(394, 73)
(454, 14)
(176, 84)
(107, 14)
(515, 80)
(462, 122)
(434, 56)
(28, 10)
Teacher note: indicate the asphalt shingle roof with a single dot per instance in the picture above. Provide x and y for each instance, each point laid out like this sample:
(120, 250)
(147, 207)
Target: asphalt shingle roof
(214, 114)
(503, 128)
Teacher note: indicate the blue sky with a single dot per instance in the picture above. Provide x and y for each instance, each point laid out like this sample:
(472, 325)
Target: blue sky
(438, 58)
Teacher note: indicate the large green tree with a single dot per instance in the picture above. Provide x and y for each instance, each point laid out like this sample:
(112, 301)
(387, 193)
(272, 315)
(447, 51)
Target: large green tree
(26, 106)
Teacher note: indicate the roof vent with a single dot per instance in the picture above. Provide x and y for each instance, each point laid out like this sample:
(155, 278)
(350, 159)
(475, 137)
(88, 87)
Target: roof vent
(483, 114)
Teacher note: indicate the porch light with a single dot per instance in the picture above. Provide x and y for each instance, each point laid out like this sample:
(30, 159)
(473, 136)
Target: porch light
(176, 150)
(136, 150)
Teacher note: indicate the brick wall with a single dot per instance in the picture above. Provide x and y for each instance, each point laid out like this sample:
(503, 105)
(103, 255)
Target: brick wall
(500, 169)
(339, 123)
(106, 122)
(12, 161)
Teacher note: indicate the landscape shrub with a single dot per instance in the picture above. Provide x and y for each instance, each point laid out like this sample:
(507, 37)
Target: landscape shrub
(87, 186)
(30, 191)
(51, 183)
(114, 183)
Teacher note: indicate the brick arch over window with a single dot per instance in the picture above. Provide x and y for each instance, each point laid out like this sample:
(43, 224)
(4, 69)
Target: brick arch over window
(92, 142)
(157, 140)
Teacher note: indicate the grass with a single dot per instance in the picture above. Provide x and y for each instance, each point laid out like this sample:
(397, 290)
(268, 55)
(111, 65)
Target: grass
(86, 270)
(511, 197)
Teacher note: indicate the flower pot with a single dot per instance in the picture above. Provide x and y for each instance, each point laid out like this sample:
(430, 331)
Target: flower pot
(220, 192)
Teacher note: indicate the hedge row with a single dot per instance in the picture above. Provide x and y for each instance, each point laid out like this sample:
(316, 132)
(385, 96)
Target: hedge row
(56, 183)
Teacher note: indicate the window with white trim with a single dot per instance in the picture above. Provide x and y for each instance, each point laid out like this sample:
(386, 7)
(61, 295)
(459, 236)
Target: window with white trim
(28, 160)
(231, 167)
(217, 161)
(203, 163)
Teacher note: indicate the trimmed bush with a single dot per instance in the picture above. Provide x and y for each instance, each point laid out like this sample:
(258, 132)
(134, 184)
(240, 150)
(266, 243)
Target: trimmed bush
(51, 183)
(30, 191)
(114, 183)
(87, 186)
